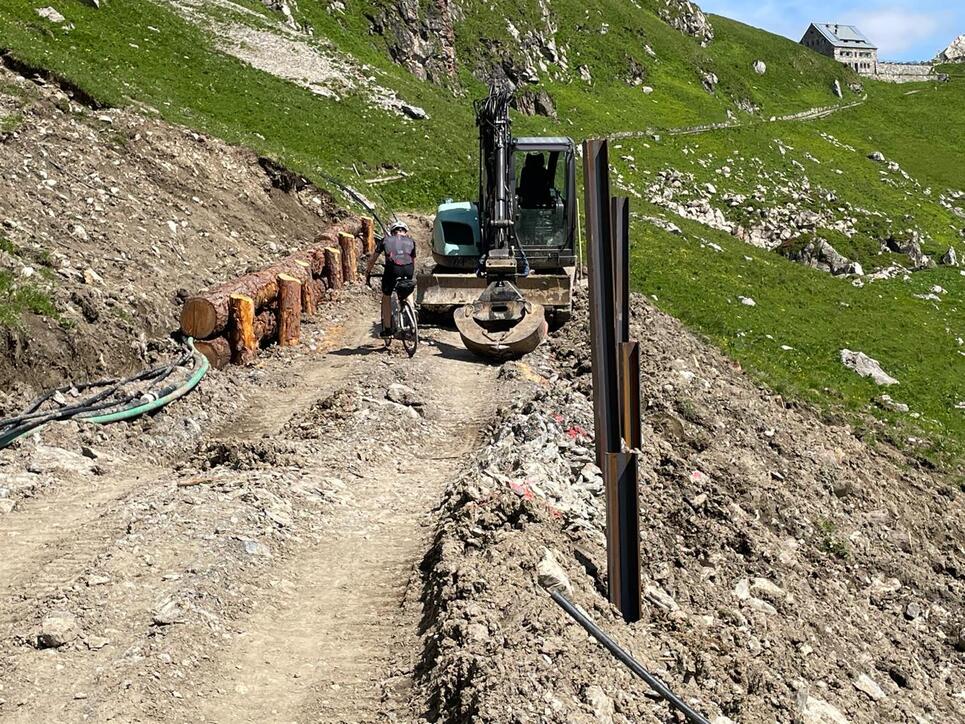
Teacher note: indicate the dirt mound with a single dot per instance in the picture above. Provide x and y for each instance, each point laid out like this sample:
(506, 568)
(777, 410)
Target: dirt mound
(109, 217)
(791, 572)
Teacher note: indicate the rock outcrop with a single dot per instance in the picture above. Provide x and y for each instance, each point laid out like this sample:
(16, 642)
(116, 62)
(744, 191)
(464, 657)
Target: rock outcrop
(689, 19)
(954, 53)
(421, 37)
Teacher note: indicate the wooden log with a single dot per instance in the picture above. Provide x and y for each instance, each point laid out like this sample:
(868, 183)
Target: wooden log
(346, 243)
(333, 268)
(309, 298)
(289, 310)
(217, 350)
(206, 314)
(368, 235)
(241, 332)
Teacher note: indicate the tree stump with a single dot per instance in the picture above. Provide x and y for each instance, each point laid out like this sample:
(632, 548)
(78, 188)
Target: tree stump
(333, 268)
(289, 310)
(368, 236)
(217, 350)
(244, 344)
(349, 257)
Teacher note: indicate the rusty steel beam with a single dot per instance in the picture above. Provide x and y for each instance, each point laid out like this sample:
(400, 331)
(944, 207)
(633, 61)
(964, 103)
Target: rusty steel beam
(630, 395)
(604, 218)
(602, 329)
(623, 533)
(620, 225)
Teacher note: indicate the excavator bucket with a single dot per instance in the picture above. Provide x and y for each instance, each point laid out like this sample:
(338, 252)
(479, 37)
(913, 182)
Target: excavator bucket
(521, 338)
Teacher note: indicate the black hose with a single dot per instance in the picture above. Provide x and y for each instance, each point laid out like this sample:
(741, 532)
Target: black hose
(614, 648)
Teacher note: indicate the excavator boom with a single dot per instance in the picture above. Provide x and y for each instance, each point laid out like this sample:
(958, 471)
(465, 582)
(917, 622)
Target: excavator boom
(516, 239)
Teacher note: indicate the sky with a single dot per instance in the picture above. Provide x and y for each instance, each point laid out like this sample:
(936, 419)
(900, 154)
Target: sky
(902, 29)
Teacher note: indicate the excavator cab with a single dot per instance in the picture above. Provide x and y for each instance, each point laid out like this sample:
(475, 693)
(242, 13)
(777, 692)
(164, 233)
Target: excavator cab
(507, 261)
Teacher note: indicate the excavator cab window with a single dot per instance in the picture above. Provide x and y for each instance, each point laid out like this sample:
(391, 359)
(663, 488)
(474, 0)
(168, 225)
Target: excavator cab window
(541, 199)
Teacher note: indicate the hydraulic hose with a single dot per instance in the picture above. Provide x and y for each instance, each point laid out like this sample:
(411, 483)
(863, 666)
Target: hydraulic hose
(614, 648)
(171, 394)
(16, 427)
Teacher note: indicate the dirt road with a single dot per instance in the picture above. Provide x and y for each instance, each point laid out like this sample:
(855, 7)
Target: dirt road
(265, 570)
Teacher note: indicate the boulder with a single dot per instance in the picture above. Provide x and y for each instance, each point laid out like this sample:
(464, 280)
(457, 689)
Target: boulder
(760, 67)
(866, 367)
(950, 257)
(56, 630)
(48, 13)
(836, 89)
(877, 156)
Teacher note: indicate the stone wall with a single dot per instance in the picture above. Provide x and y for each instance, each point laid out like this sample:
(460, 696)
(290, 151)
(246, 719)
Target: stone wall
(905, 72)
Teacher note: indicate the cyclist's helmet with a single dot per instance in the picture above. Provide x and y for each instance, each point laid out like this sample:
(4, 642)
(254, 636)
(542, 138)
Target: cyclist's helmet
(398, 226)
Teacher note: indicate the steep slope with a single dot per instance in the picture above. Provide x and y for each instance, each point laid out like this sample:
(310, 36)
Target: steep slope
(376, 94)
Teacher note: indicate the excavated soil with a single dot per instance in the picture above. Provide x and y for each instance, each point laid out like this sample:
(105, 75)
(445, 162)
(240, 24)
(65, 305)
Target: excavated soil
(116, 217)
(791, 573)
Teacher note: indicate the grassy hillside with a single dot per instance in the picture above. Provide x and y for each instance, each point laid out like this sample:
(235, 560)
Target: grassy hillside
(146, 54)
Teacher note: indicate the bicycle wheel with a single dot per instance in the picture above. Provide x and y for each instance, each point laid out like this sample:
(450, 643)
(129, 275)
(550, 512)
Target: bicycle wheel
(394, 302)
(410, 328)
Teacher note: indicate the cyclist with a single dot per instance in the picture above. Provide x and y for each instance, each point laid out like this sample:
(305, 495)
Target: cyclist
(399, 250)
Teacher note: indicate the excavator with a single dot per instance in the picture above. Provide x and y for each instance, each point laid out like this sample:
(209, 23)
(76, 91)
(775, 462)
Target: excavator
(505, 264)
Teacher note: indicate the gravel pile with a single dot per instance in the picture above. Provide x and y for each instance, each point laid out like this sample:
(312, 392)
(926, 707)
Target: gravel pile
(790, 571)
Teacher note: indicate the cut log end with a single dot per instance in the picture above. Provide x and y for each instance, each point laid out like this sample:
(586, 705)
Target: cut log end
(199, 317)
(217, 350)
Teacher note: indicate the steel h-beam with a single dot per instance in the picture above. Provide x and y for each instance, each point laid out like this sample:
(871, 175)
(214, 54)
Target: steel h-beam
(602, 330)
(616, 376)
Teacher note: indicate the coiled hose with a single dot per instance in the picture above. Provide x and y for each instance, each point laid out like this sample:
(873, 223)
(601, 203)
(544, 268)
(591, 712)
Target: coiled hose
(92, 409)
(631, 663)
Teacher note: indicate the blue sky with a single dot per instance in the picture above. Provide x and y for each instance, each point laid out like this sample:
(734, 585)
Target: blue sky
(902, 29)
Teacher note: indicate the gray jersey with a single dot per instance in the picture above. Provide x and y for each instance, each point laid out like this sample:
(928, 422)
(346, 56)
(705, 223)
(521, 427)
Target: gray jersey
(399, 249)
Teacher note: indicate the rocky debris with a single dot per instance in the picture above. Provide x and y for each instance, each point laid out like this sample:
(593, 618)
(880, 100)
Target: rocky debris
(866, 367)
(285, 53)
(818, 711)
(403, 395)
(709, 81)
(46, 460)
(56, 630)
(889, 404)
(760, 67)
(686, 17)
(167, 613)
(535, 103)
(421, 37)
(819, 254)
(754, 536)
(866, 685)
(909, 244)
(414, 112)
(954, 53)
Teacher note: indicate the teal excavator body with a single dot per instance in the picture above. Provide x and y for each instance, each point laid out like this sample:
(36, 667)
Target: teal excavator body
(506, 263)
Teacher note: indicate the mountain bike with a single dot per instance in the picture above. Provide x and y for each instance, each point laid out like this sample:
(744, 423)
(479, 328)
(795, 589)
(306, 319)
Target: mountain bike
(404, 324)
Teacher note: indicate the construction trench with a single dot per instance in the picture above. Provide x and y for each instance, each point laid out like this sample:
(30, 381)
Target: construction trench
(331, 531)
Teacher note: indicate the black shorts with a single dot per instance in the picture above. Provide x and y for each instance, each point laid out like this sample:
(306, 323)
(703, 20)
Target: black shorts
(394, 273)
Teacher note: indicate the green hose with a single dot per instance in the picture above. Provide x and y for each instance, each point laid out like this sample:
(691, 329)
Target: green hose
(131, 412)
(160, 402)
